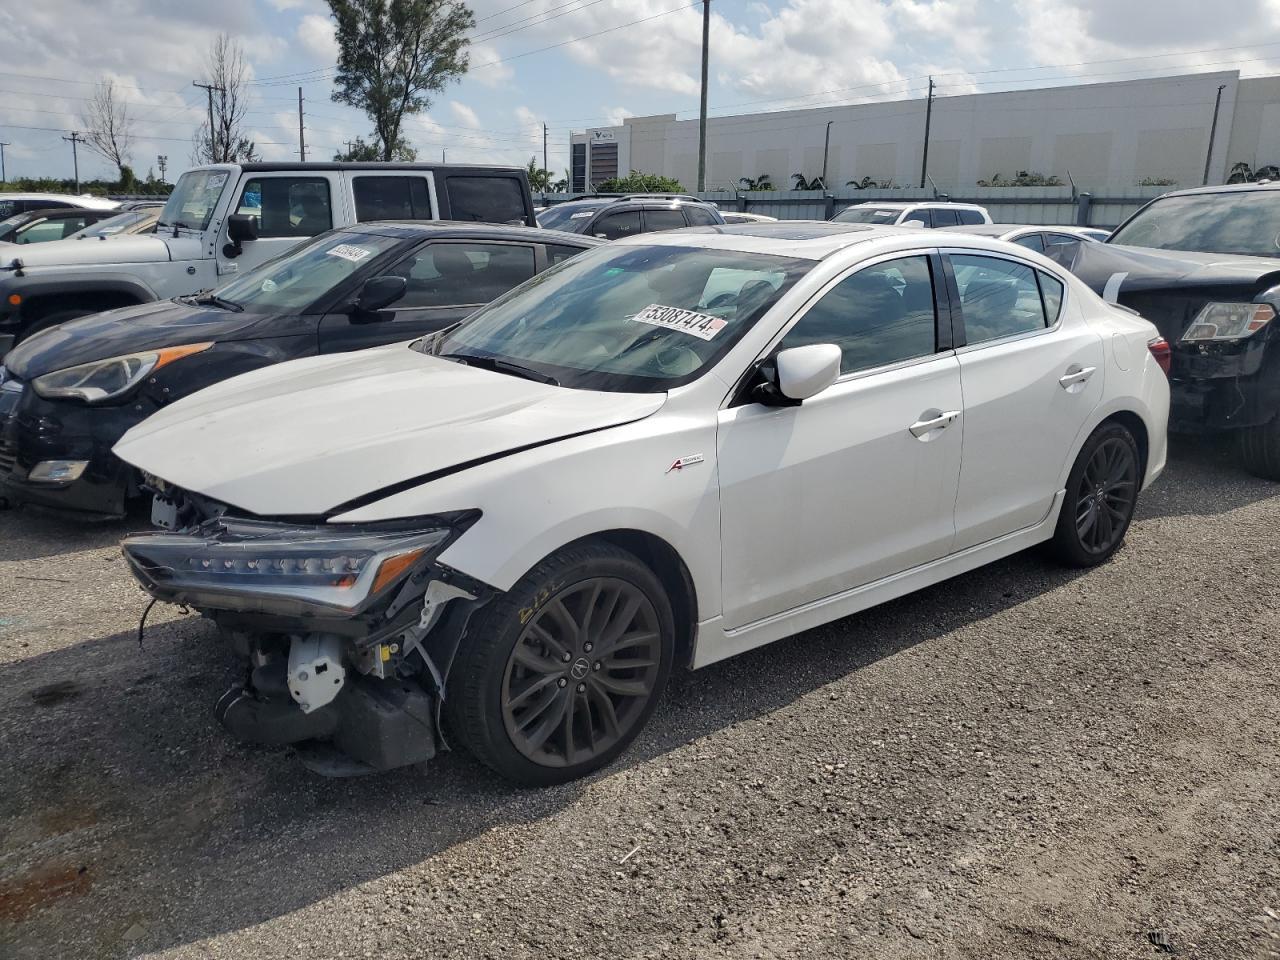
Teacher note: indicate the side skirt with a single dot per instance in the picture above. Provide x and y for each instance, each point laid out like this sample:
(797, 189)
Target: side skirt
(715, 643)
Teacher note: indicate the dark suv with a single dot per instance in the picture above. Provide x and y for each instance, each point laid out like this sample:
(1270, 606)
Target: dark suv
(612, 216)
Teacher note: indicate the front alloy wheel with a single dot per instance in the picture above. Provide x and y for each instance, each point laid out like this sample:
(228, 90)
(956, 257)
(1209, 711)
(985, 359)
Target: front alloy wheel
(556, 677)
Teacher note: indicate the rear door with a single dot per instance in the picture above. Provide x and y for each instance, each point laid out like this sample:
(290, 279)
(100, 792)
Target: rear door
(1032, 372)
(447, 280)
(393, 195)
(487, 198)
(657, 219)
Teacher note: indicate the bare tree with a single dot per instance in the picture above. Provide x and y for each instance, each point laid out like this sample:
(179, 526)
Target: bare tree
(108, 128)
(228, 75)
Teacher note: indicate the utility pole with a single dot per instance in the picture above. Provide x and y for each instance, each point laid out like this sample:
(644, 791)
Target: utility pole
(826, 149)
(302, 143)
(162, 162)
(928, 116)
(213, 137)
(75, 159)
(443, 154)
(544, 152)
(1213, 129)
(702, 112)
(3, 144)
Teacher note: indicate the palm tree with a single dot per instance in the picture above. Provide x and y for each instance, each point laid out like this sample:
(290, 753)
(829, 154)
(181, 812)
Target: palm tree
(801, 183)
(539, 179)
(866, 183)
(761, 182)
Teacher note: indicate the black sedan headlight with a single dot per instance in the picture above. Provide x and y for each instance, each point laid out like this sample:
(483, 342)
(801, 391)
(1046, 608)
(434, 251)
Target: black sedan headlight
(101, 380)
(260, 566)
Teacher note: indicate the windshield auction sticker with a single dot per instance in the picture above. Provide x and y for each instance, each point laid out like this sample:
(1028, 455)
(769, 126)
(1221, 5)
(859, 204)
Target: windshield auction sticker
(698, 325)
(350, 252)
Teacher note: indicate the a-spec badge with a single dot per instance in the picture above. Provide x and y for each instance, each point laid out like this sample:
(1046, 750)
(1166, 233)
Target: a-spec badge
(686, 462)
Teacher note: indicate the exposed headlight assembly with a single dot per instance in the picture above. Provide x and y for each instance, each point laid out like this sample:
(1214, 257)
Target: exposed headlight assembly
(259, 566)
(1228, 321)
(107, 379)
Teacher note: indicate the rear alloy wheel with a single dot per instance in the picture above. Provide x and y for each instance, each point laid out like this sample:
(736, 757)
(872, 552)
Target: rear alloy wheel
(558, 676)
(1260, 449)
(1102, 493)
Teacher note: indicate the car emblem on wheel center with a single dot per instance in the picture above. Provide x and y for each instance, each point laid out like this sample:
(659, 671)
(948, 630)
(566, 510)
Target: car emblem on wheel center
(581, 667)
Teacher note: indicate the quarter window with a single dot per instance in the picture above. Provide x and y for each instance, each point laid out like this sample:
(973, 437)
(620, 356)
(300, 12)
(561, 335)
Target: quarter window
(615, 225)
(558, 254)
(1032, 241)
(879, 315)
(998, 298)
(1051, 291)
(455, 274)
(970, 216)
(391, 198)
(287, 206)
(486, 199)
(944, 218)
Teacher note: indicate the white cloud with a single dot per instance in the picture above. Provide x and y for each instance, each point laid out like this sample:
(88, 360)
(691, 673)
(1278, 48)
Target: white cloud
(616, 115)
(316, 35)
(466, 116)
(287, 4)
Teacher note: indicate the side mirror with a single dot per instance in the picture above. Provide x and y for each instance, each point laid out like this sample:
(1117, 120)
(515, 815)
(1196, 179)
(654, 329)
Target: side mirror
(240, 227)
(804, 372)
(379, 292)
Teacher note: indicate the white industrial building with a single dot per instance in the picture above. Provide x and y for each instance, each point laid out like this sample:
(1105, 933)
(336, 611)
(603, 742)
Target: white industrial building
(1099, 136)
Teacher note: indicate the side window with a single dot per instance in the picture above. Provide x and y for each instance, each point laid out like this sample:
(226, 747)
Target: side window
(1051, 291)
(486, 199)
(970, 216)
(881, 314)
(655, 220)
(615, 225)
(943, 217)
(391, 198)
(916, 217)
(700, 216)
(1031, 241)
(287, 206)
(998, 298)
(463, 273)
(40, 232)
(558, 254)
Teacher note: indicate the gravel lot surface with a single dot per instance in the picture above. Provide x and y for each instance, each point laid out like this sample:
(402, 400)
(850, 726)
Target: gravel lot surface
(1022, 762)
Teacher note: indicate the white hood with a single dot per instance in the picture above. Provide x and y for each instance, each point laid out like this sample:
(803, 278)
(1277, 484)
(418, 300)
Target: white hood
(306, 436)
(126, 249)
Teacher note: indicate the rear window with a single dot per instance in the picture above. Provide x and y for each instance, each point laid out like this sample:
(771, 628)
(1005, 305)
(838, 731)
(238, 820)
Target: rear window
(391, 198)
(486, 199)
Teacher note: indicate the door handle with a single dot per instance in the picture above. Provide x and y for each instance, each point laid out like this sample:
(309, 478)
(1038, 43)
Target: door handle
(1075, 376)
(922, 428)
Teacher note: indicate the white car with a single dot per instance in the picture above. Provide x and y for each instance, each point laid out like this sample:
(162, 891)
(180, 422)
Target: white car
(669, 449)
(735, 216)
(1058, 243)
(929, 213)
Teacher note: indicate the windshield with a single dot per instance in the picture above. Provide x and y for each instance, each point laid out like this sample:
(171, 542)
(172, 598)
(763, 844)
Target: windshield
(867, 215)
(293, 282)
(193, 199)
(113, 225)
(625, 319)
(1245, 222)
(567, 216)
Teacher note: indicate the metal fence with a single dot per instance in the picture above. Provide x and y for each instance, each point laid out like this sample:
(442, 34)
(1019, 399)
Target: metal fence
(1050, 205)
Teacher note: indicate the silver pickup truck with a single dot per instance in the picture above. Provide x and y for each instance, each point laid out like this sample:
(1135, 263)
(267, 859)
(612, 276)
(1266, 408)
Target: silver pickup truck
(224, 218)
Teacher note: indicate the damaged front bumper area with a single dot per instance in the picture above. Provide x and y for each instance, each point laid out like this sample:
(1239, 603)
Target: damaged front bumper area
(348, 631)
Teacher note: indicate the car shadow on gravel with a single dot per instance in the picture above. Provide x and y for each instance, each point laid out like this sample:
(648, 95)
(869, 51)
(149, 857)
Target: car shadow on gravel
(27, 534)
(1204, 477)
(158, 830)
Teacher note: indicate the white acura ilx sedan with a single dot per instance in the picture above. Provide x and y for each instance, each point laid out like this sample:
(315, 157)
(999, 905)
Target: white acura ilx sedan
(667, 450)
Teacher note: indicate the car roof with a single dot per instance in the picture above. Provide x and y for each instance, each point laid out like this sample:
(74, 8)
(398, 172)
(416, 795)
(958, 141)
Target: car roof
(1002, 229)
(912, 204)
(1222, 188)
(45, 213)
(459, 230)
(84, 201)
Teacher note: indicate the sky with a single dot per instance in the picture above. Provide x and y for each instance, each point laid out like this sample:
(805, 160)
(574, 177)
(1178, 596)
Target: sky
(575, 64)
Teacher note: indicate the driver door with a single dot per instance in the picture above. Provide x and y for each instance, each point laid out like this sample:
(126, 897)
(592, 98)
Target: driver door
(288, 208)
(859, 482)
(447, 281)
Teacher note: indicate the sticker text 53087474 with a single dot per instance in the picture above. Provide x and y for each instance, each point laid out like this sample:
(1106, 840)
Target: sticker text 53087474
(698, 325)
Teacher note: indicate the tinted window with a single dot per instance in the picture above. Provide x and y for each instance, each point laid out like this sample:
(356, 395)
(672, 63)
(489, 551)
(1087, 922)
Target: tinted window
(917, 217)
(998, 298)
(1245, 222)
(881, 314)
(486, 199)
(970, 216)
(861, 214)
(287, 206)
(1031, 241)
(452, 274)
(558, 254)
(391, 198)
(944, 218)
(700, 216)
(664, 220)
(1051, 291)
(615, 225)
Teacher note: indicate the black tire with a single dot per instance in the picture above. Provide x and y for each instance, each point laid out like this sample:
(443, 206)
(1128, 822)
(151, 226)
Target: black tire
(528, 669)
(52, 320)
(1102, 491)
(1260, 450)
